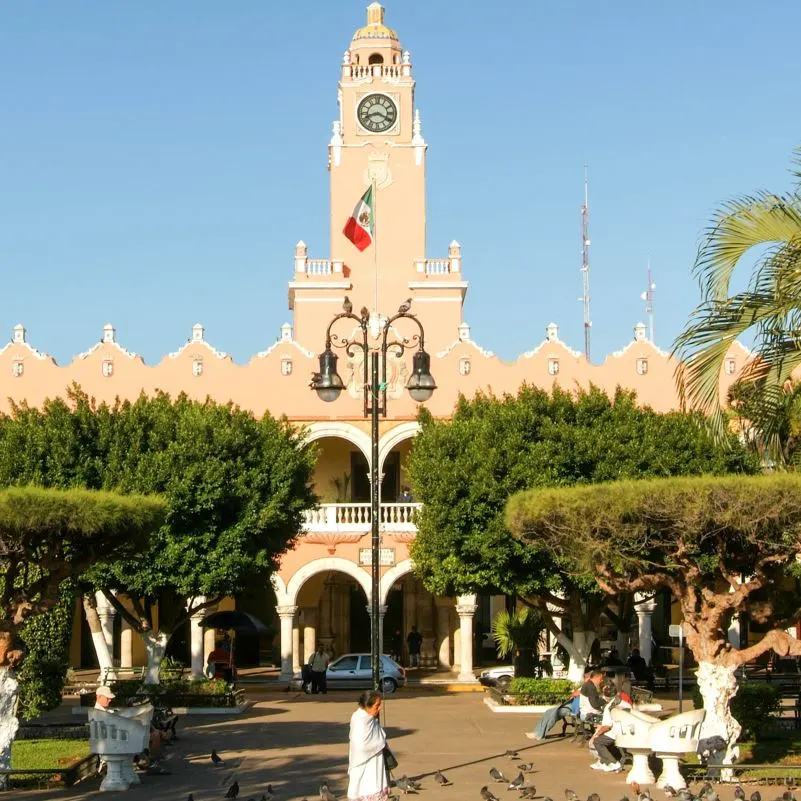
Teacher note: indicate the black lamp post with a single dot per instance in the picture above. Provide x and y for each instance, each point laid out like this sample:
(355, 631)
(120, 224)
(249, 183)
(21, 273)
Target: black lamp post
(328, 385)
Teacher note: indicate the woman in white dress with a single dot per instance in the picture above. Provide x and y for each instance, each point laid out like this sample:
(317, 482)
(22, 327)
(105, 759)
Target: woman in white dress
(367, 770)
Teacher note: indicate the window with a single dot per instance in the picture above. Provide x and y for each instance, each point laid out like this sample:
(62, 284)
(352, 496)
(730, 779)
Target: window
(108, 368)
(197, 367)
(17, 369)
(464, 366)
(376, 58)
(729, 366)
(553, 366)
(346, 663)
(286, 366)
(642, 366)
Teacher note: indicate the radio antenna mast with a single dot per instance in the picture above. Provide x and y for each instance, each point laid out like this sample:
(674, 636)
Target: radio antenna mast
(648, 297)
(585, 265)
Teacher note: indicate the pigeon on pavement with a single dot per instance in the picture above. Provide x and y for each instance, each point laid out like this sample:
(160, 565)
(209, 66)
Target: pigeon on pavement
(526, 767)
(215, 758)
(593, 797)
(669, 791)
(497, 776)
(326, 794)
(441, 778)
(511, 754)
(233, 790)
(756, 796)
(739, 793)
(528, 792)
(405, 785)
(487, 795)
(571, 795)
(517, 782)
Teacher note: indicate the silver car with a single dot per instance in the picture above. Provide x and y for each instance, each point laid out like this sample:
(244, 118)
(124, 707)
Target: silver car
(355, 671)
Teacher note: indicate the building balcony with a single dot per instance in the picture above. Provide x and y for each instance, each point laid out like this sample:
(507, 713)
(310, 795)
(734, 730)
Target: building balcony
(356, 518)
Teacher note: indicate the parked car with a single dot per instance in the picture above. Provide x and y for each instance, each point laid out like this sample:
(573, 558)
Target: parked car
(354, 671)
(497, 676)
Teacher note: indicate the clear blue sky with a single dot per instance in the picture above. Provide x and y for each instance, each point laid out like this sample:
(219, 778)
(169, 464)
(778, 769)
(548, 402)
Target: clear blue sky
(159, 160)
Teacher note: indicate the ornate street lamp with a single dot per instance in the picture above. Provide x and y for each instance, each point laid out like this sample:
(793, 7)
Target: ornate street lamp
(328, 385)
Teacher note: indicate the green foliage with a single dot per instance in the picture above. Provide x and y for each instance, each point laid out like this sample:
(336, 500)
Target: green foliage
(755, 705)
(126, 689)
(235, 487)
(768, 226)
(540, 691)
(513, 631)
(47, 640)
(698, 529)
(465, 469)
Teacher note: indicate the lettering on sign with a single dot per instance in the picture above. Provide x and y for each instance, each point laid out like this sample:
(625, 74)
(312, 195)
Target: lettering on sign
(386, 557)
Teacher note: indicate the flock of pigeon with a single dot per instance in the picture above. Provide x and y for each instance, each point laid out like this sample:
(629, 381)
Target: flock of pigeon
(406, 785)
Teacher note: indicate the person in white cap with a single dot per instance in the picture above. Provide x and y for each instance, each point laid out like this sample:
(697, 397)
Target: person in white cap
(103, 696)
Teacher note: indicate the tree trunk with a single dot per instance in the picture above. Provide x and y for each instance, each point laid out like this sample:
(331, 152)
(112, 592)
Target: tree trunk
(9, 691)
(96, 630)
(155, 648)
(718, 685)
(578, 649)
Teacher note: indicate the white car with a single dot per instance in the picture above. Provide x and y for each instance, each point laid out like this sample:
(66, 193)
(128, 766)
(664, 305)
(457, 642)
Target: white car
(497, 676)
(355, 671)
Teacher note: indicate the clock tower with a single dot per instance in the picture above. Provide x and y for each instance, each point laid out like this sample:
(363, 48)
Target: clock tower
(377, 141)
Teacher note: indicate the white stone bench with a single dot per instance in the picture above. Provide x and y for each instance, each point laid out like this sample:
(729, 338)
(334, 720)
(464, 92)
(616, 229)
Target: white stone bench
(670, 740)
(635, 737)
(117, 737)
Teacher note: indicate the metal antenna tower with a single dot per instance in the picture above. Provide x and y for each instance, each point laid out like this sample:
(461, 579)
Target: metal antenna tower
(648, 297)
(585, 265)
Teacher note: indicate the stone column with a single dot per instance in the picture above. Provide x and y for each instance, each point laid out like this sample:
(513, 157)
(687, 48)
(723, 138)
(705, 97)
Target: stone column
(106, 612)
(286, 615)
(197, 657)
(126, 645)
(296, 647)
(309, 632)
(645, 606)
(443, 647)
(466, 608)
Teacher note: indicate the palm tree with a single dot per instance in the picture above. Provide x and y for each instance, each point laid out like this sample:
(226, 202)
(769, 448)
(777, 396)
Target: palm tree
(520, 633)
(767, 226)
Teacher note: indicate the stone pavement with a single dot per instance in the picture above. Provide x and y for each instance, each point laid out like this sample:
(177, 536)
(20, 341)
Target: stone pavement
(295, 741)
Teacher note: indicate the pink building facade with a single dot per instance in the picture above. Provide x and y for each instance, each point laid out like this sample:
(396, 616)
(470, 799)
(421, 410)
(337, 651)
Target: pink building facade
(322, 591)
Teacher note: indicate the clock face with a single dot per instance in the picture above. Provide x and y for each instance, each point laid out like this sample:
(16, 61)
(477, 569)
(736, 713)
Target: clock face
(377, 113)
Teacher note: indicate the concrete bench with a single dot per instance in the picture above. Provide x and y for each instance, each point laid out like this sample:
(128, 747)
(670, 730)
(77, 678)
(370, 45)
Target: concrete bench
(635, 737)
(670, 740)
(117, 737)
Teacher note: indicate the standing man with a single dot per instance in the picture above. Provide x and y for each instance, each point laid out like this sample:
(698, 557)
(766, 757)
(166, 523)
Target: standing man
(318, 664)
(413, 642)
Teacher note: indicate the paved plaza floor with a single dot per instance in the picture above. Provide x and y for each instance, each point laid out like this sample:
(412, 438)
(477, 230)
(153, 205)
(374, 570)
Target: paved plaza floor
(295, 742)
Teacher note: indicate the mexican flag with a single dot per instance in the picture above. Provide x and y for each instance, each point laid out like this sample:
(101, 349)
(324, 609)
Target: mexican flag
(359, 227)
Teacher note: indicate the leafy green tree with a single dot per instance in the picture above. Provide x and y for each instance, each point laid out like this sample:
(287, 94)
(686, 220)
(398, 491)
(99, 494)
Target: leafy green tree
(236, 488)
(46, 537)
(767, 226)
(520, 633)
(721, 545)
(464, 470)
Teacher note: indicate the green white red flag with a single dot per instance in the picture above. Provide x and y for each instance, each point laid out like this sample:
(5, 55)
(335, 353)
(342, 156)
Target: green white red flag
(359, 227)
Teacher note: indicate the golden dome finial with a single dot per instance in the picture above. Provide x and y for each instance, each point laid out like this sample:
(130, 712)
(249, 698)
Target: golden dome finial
(375, 14)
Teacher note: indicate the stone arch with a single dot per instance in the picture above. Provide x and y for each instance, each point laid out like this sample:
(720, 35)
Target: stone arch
(393, 437)
(391, 576)
(326, 565)
(279, 585)
(338, 430)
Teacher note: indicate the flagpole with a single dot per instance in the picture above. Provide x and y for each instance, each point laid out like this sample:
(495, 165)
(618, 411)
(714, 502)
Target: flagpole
(375, 243)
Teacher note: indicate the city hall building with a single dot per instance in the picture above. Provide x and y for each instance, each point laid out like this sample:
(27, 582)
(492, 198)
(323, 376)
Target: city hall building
(321, 593)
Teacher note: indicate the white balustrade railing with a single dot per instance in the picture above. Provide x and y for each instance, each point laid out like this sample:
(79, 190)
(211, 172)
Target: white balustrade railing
(358, 517)
(318, 267)
(438, 266)
(363, 71)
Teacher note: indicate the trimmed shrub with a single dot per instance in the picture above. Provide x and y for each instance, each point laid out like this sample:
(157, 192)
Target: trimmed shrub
(755, 704)
(540, 691)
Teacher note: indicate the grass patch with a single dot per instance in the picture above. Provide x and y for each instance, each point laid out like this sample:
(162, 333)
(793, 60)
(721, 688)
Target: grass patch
(47, 754)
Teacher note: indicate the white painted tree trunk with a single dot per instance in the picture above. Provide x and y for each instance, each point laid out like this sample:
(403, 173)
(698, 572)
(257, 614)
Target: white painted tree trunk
(718, 685)
(155, 647)
(578, 650)
(9, 691)
(98, 637)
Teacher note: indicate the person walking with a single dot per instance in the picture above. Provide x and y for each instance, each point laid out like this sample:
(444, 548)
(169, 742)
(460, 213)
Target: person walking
(368, 777)
(318, 664)
(413, 642)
